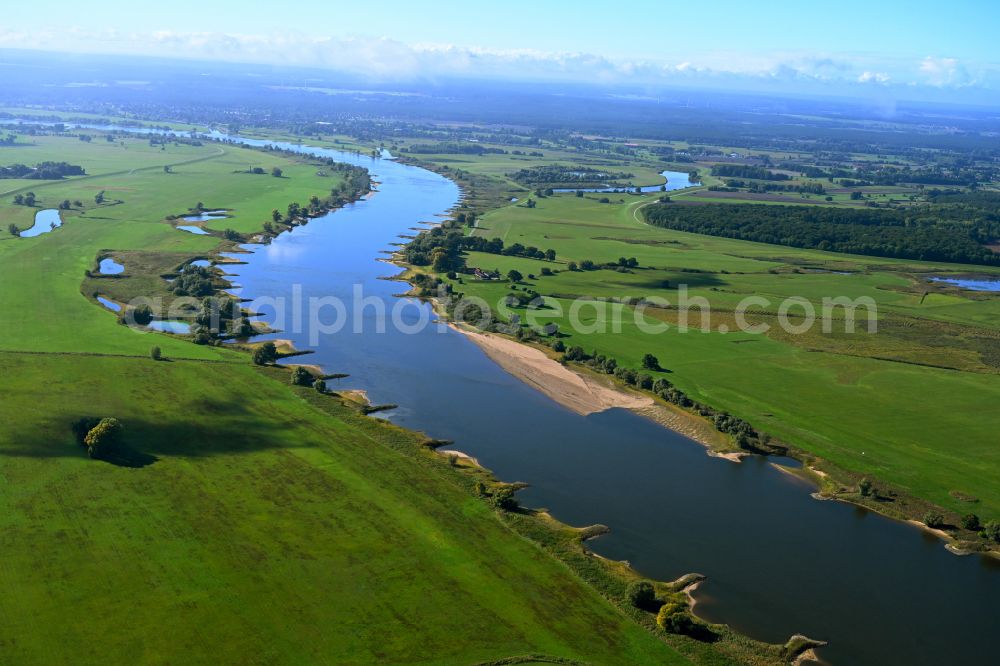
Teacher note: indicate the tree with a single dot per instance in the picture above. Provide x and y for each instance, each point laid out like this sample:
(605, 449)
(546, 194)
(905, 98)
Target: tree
(530, 203)
(264, 354)
(18, 199)
(167, 169)
(276, 172)
(550, 255)
(642, 595)
(970, 521)
(933, 519)
(155, 354)
(65, 204)
(673, 618)
(650, 362)
(866, 488)
(991, 531)
(99, 198)
(141, 315)
(320, 386)
(29, 199)
(301, 376)
(103, 437)
(514, 275)
(276, 215)
(14, 230)
(571, 266)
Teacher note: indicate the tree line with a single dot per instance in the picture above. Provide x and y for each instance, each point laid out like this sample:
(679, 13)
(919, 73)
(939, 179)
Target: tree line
(926, 233)
(42, 171)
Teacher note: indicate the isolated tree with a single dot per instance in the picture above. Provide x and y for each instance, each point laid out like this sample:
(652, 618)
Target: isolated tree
(970, 521)
(155, 354)
(301, 376)
(266, 353)
(103, 437)
(14, 230)
(530, 203)
(514, 275)
(571, 266)
(167, 169)
(99, 198)
(650, 362)
(276, 172)
(65, 204)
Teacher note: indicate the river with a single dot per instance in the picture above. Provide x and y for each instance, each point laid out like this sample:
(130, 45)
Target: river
(777, 561)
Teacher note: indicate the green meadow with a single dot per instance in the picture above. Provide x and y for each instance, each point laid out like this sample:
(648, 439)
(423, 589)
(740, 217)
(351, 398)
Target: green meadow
(272, 524)
(909, 404)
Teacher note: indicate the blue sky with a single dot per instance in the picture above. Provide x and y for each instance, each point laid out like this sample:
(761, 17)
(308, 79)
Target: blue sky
(917, 49)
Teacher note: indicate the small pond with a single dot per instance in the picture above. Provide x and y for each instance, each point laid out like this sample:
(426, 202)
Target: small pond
(109, 304)
(192, 229)
(111, 267)
(45, 221)
(205, 216)
(175, 327)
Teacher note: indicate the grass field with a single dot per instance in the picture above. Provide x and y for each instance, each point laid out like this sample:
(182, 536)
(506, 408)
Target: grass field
(869, 403)
(274, 525)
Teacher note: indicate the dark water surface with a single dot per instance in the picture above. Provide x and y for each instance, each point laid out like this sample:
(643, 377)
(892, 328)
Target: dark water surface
(777, 561)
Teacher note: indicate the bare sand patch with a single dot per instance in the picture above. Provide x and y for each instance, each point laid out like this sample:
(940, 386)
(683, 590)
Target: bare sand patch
(575, 391)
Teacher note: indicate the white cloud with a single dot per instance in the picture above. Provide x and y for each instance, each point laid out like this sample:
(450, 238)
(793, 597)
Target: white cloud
(385, 59)
(873, 77)
(944, 72)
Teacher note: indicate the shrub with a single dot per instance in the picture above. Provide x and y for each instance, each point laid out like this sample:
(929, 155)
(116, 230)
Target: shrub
(642, 595)
(503, 498)
(155, 354)
(866, 488)
(266, 353)
(970, 521)
(301, 377)
(673, 618)
(558, 346)
(991, 531)
(320, 386)
(933, 519)
(141, 315)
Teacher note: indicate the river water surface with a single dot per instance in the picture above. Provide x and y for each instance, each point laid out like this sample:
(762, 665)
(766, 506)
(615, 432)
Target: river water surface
(777, 560)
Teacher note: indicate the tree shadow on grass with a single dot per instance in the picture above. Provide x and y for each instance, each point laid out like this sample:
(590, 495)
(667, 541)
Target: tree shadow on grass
(197, 429)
